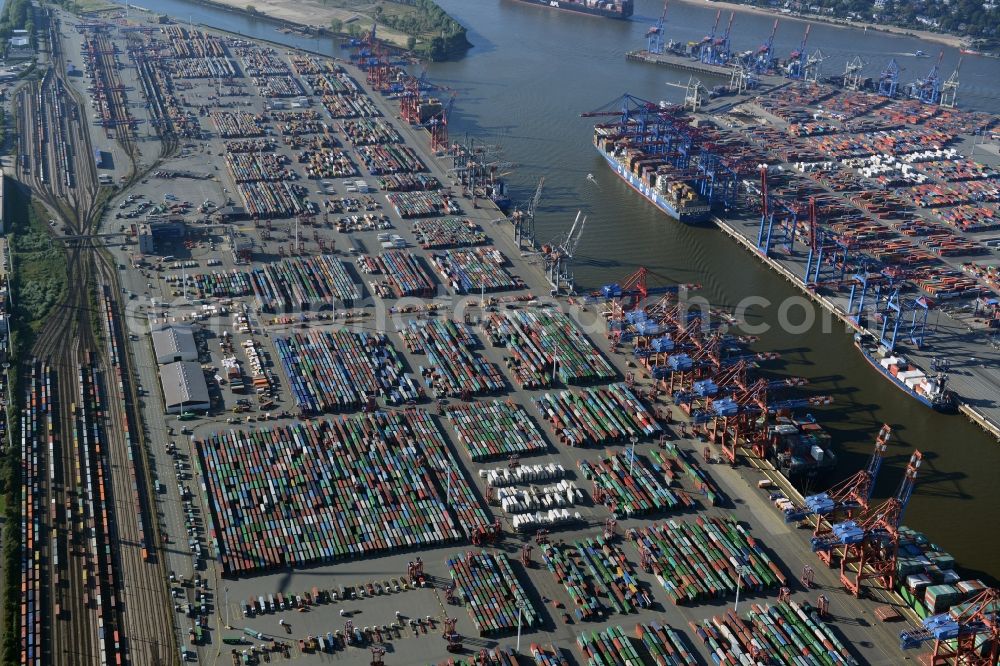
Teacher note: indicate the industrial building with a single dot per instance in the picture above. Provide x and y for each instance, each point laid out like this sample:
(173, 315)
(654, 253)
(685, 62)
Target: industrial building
(156, 229)
(184, 387)
(174, 343)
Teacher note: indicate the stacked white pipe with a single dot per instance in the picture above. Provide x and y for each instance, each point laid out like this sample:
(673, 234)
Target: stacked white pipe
(522, 500)
(550, 518)
(503, 477)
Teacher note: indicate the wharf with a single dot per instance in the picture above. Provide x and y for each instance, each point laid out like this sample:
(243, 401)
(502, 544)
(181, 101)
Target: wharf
(687, 64)
(854, 620)
(976, 364)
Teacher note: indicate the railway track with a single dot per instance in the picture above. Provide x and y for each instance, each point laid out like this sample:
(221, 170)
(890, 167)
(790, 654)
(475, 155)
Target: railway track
(107, 602)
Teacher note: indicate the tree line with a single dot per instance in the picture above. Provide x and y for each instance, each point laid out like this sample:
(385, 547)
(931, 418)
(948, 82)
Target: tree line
(975, 19)
(17, 15)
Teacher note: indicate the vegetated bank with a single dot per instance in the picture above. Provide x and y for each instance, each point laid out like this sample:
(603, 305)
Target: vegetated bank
(17, 15)
(37, 283)
(38, 280)
(971, 20)
(433, 33)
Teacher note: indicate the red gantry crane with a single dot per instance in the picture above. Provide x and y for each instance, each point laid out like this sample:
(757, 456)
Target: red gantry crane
(439, 127)
(868, 548)
(850, 496)
(967, 635)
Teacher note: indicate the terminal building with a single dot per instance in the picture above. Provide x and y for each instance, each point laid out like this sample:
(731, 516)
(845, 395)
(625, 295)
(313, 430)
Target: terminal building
(153, 230)
(184, 387)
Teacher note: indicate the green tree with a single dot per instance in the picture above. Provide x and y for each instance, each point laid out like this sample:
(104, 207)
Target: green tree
(251, 9)
(353, 30)
(411, 42)
(337, 25)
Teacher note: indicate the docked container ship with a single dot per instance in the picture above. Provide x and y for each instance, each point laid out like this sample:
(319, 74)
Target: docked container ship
(616, 9)
(653, 177)
(929, 391)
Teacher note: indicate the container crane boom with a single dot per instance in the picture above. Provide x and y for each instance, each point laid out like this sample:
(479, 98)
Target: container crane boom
(797, 59)
(705, 49)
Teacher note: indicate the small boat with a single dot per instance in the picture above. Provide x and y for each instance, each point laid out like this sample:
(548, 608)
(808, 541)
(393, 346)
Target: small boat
(921, 54)
(970, 52)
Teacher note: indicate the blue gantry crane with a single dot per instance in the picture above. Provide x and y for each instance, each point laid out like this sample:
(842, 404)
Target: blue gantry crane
(968, 634)
(904, 314)
(829, 254)
(705, 46)
(762, 60)
(867, 286)
(796, 66)
(853, 493)
(734, 420)
(778, 220)
(880, 293)
(888, 80)
(654, 36)
(928, 89)
(869, 547)
(722, 51)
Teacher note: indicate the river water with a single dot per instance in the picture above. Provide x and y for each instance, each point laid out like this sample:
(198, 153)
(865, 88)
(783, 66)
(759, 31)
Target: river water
(532, 72)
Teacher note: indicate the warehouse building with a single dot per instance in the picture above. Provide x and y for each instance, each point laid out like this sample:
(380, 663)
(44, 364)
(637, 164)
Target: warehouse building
(184, 387)
(174, 343)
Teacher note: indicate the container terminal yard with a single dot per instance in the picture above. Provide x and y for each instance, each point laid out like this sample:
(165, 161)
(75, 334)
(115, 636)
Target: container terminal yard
(266, 435)
(874, 200)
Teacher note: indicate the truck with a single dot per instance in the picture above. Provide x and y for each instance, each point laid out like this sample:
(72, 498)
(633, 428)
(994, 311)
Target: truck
(252, 633)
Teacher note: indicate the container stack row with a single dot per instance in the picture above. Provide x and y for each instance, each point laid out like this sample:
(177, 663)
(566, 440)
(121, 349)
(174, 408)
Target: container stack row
(323, 490)
(562, 561)
(406, 274)
(475, 270)
(497, 656)
(486, 583)
(392, 158)
(673, 460)
(492, 430)
(422, 204)
(223, 284)
(296, 284)
(539, 340)
(454, 368)
(785, 633)
(597, 415)
(448, 233)
(614, 575)
(697, 561)
(407, 182)
(666, 645)
(610, 647)
(266, 200)
(341, 370)
(630, 487)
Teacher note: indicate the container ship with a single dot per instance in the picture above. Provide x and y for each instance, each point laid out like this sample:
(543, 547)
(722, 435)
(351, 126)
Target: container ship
(652, 176)
(800, 448)
(929, 391)
(616, 9)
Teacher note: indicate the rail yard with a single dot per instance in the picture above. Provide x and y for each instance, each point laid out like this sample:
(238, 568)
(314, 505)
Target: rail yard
(311, 398)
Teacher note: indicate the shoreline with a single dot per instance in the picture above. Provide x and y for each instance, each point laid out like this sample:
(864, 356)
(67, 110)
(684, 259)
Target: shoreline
(945, 39)
(295, 15)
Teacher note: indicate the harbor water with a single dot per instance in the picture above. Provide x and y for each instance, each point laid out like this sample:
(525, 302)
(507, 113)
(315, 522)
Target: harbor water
(532, 72)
